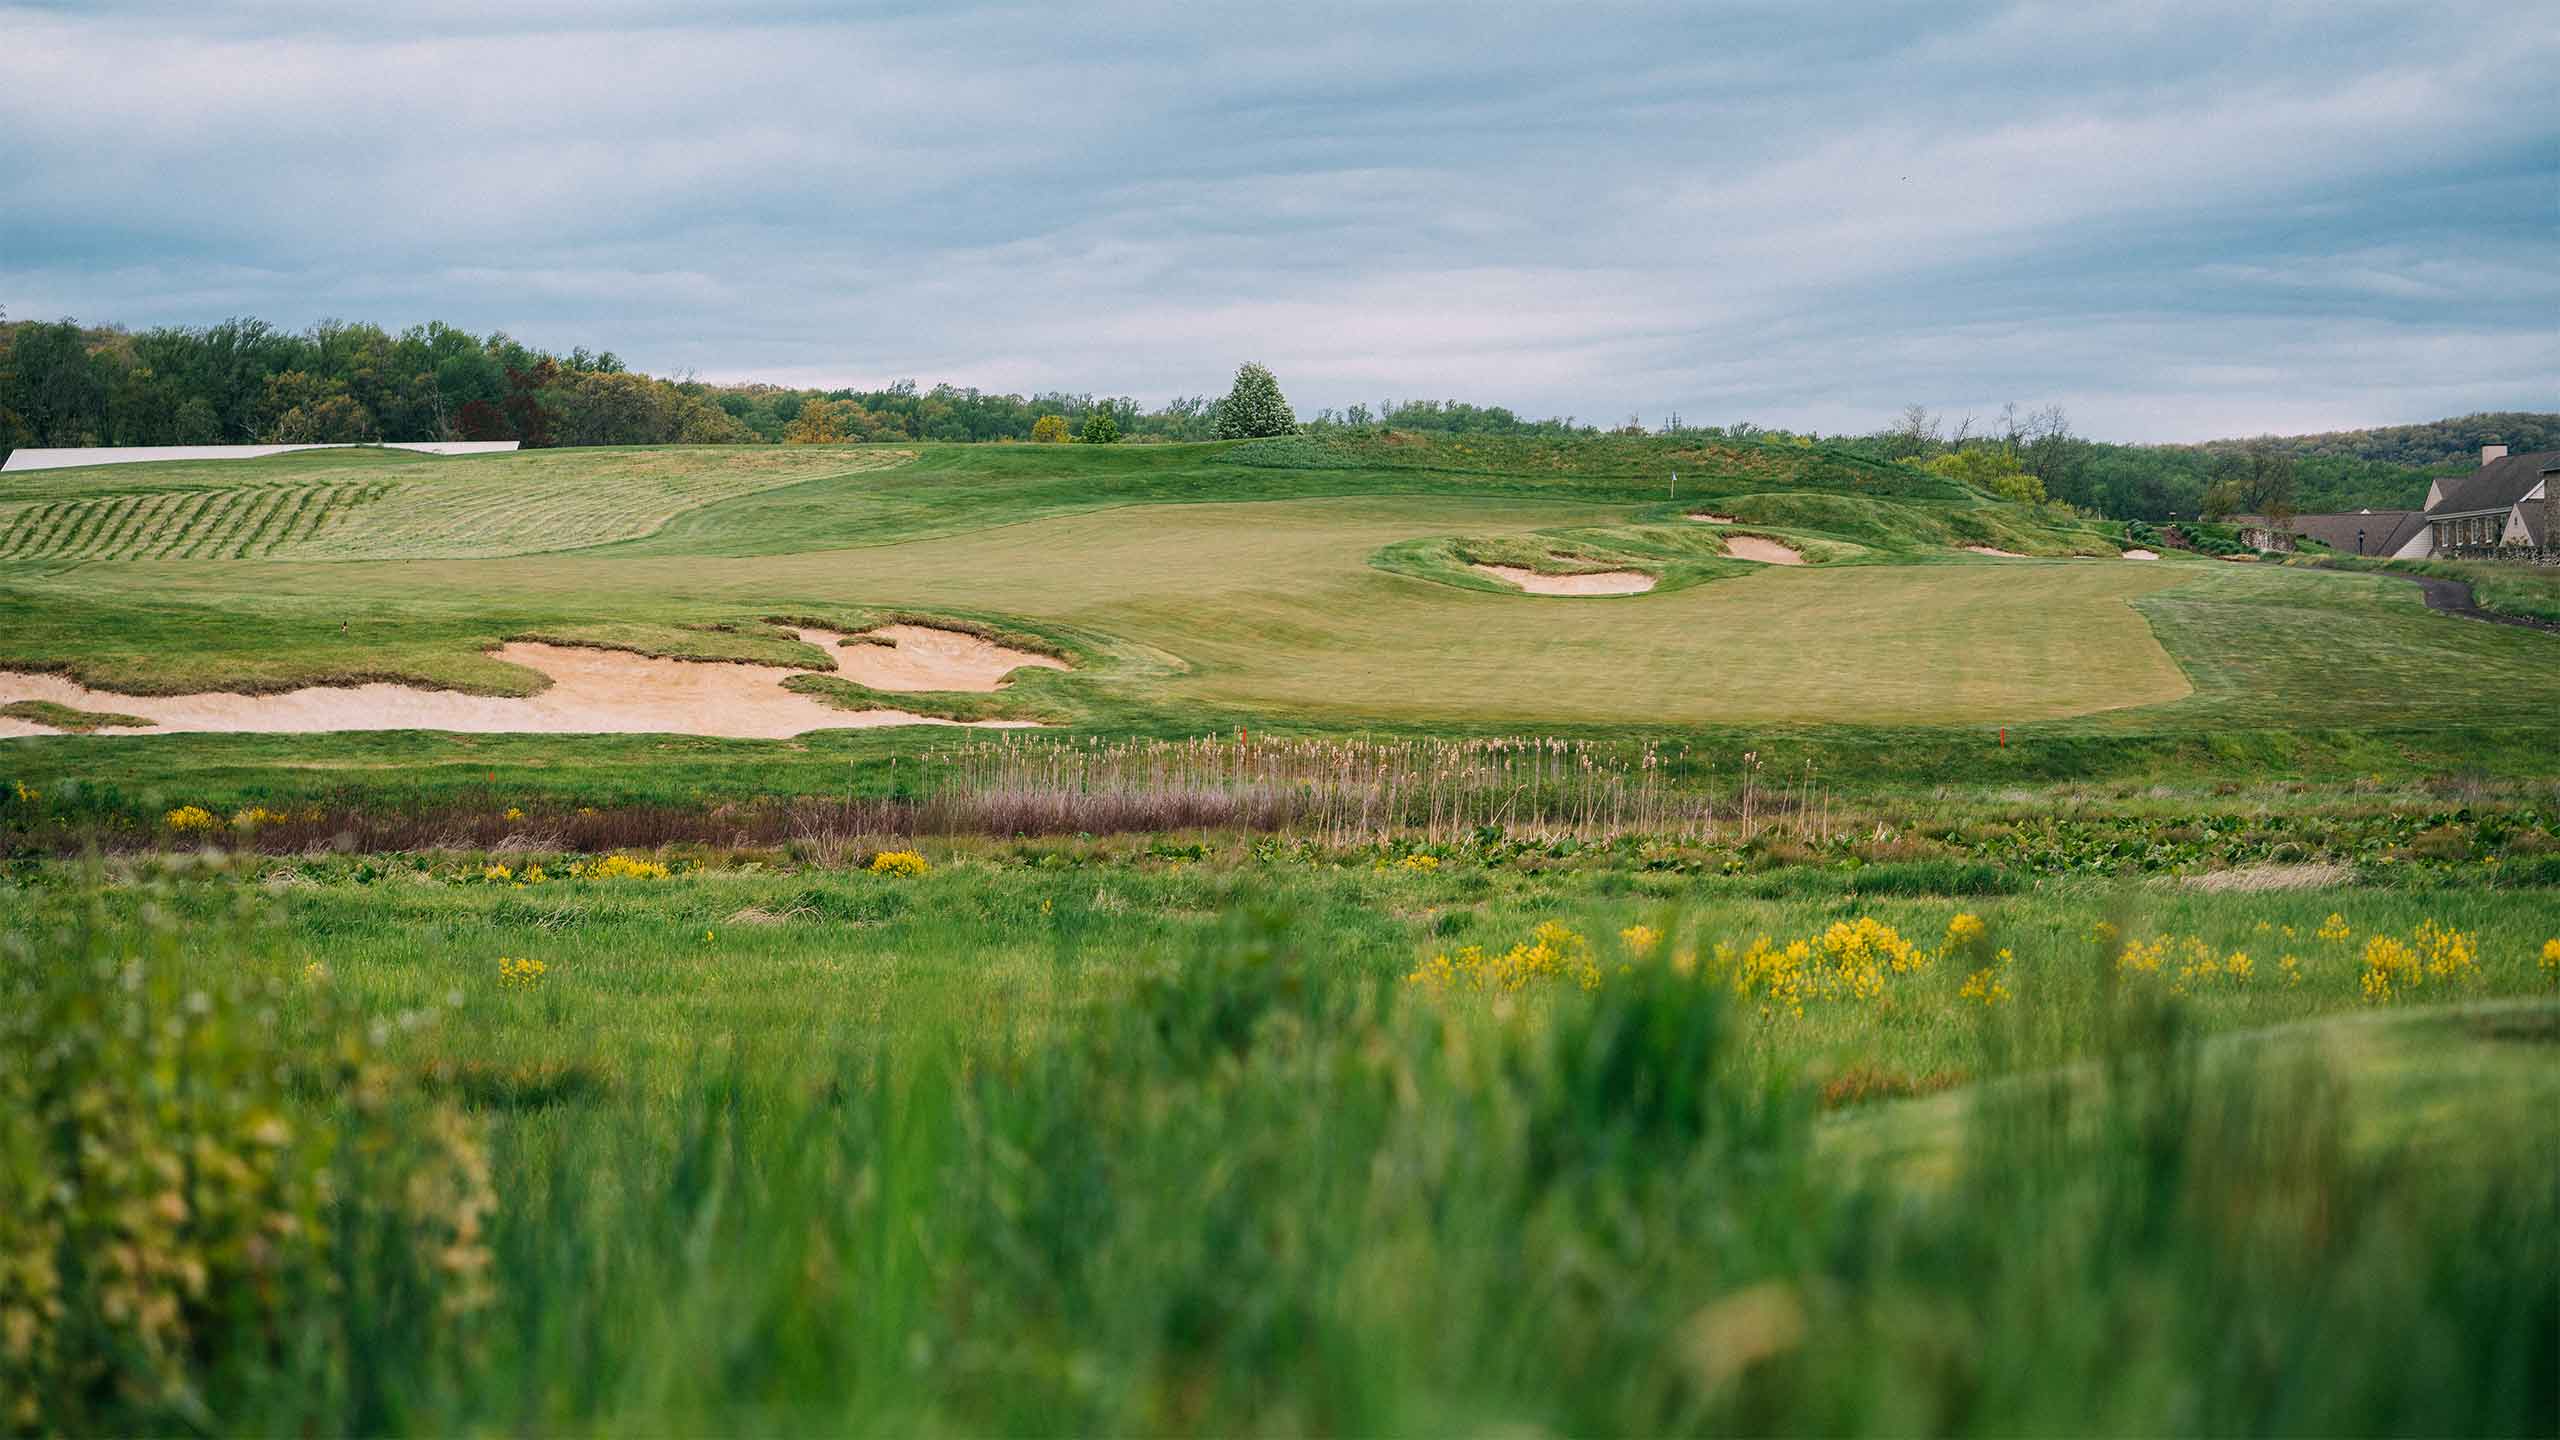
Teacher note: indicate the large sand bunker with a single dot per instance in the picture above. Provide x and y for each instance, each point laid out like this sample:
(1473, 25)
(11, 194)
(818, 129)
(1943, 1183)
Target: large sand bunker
(1598, 582)
(1767, 552)
(2142, 554)
(921, 657)
(592, 692)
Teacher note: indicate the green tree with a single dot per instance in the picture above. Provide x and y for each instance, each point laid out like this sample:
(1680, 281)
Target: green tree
(53, 387)
(2259, 480)
(820, 422)
(1990, 467)
(327, 420)
(1255, 406)
(1102, 427)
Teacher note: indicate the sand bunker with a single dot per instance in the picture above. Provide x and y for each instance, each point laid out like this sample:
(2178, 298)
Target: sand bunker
(1767, 552)
(1715, 519)
(1995, 550)
(2141, 555)
(592, 692)
(924, 658)
(1599, 582)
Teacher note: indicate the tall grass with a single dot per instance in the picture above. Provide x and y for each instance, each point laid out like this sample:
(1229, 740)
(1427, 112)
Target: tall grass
(1245, 1190)
(1342, 791)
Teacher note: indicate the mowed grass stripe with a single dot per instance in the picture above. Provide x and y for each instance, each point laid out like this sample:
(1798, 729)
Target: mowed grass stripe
(99, 518)
(269, 507)
(217, 523)
(58, 518)
(288, 518)
(563, 500)
(326, 500)
(25, 524)
(132, 518)
(181, 524)
(235, 522)
(93, 521)
(84, 523)
(297, 506)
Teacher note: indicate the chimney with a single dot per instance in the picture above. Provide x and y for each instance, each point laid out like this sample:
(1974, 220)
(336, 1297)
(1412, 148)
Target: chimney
(2490, 454)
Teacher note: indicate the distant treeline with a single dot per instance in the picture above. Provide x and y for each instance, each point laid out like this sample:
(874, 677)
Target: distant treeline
(245, 381)
(2383, 468)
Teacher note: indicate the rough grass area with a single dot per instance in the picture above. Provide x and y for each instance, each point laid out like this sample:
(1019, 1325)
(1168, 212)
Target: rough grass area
(1014, 703)
(1044, 1140)
(69, 718)
(2532, 591)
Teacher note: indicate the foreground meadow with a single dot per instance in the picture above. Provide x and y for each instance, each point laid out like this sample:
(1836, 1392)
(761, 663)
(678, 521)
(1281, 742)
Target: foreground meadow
(1227, 1132)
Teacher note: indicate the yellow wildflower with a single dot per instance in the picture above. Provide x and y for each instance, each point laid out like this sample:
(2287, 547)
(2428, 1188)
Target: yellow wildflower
(2334, 929)
(617, 867)
(520, 974)
(187, 819)
(2389, 968)
(1640, 939)
(1985, 986)
(898, 862)
(2434, 953)
(1553, 952)
(2450, 954)
(1964, 932)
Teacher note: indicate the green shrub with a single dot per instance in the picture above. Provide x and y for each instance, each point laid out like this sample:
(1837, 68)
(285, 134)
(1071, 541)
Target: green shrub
(184, 1243)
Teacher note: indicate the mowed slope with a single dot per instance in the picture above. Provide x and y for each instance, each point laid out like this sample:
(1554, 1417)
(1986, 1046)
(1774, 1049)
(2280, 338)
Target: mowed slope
(364, 504)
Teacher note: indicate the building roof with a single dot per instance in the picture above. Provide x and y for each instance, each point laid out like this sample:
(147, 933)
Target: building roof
(2494, 486)
(31, 458)
(2384, 530)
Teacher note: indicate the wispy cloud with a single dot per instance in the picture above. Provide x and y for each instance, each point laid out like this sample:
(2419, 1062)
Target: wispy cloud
(2176, 219)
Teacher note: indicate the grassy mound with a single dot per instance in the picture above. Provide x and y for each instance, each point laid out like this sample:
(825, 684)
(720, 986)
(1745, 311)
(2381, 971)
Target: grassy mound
(67, 718)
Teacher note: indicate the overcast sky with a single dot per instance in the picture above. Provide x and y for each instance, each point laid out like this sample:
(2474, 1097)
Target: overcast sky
(2177, 221)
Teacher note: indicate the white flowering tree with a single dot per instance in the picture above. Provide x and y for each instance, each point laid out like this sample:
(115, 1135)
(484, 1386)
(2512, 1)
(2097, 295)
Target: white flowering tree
(1255, 406)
